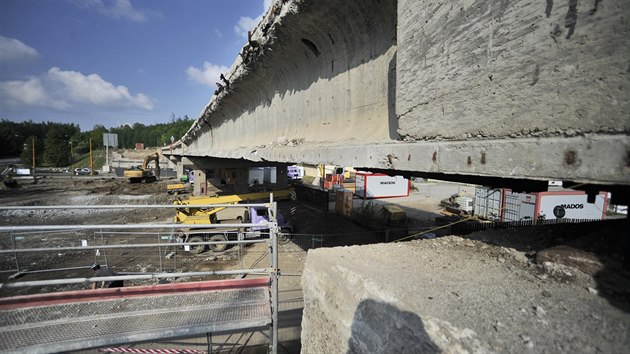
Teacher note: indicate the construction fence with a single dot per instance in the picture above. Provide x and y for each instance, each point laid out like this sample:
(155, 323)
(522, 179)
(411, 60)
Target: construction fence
(60, 256)
(49, 250)
(467, 227)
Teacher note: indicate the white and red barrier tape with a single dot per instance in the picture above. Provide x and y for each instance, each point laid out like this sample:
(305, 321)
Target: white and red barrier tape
(152, 351)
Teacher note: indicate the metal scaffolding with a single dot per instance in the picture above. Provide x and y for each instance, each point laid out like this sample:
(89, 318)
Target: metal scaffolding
(24, 319)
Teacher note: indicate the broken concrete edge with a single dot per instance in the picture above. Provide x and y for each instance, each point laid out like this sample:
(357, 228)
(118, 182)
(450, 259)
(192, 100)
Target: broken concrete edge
(597, 158)
(239, 70)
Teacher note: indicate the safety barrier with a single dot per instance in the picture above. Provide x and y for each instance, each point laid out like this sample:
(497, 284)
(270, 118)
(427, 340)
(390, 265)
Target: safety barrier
(142, 254)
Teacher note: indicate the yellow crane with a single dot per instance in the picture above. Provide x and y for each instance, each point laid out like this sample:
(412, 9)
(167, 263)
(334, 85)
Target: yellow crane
(189, 214)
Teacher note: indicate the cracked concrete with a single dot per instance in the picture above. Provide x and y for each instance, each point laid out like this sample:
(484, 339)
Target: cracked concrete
(321, 78)
(494, 67)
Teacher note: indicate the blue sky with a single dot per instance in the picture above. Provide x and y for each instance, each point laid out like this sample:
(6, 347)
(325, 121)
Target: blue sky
(115, 62)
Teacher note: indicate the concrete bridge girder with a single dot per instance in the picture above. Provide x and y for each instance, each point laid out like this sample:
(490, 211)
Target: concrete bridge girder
(479, 88)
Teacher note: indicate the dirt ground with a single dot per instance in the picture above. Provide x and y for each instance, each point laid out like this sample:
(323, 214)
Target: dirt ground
(118, 191)
(592, 258)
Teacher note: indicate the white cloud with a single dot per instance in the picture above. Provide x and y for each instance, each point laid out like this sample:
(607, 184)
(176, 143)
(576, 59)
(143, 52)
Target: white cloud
(13, 49)
(70, 90)
(118, 9)
(30, 92)
(208, 75)
(246, 24)
(218, 33)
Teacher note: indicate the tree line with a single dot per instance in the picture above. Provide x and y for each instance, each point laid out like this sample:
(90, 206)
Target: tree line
(55, 143)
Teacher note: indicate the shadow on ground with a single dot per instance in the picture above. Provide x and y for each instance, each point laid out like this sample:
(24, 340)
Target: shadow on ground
(379, 327)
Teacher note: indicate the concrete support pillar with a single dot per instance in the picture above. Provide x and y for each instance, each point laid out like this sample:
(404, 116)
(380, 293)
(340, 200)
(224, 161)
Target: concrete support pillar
(281, 176)
(241, 182)
(179, 169)
(201, 183)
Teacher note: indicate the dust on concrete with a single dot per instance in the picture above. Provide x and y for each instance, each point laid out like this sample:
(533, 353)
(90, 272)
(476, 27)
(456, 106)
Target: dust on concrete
(547, 289)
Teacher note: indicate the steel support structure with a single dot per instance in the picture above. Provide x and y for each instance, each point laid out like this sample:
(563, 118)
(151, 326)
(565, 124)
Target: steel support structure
(272, 272)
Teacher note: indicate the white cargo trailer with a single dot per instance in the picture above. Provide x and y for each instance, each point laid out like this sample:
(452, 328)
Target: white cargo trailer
(505, 205)
(378, 185)
(553, 205)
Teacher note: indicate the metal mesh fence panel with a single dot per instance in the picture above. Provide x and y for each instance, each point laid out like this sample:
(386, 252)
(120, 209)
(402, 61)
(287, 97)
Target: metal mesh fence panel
(137, 259)
(43, 261)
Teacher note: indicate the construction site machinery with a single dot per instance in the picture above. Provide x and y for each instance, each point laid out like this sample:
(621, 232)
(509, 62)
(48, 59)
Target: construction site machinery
(11, 174)
(189, 214)
(176, 188)
(394, 215)
(7, 178)
(144, 173)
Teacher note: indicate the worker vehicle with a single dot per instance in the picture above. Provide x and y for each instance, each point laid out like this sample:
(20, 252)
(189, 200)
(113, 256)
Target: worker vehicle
(144, 173)
(176, 188)
(189, 214)
(85, 171)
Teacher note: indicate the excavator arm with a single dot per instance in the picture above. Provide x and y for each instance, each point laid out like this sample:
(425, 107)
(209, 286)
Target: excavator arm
(155, 158)
(144, 174)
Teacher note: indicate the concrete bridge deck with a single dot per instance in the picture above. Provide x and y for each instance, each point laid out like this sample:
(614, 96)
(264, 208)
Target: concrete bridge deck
(509, 90)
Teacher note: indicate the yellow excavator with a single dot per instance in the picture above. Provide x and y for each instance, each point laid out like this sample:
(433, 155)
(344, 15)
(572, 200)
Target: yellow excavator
(144, 173)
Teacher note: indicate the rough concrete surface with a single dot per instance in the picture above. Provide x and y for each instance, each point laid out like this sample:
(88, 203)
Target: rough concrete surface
(453, 295)
(320, 67)
(347, 82)
(480, 68)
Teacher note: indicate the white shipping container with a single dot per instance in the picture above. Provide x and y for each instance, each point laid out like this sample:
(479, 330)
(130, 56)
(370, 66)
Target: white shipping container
(518, 206)
(553, 205)
(256, 174)
(488, 203)
(570, 205)
(505, 205)
(270, 175)
(378, 185)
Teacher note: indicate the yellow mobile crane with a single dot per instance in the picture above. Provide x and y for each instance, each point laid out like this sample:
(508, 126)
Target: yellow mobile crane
(189, 214)
(144, 173)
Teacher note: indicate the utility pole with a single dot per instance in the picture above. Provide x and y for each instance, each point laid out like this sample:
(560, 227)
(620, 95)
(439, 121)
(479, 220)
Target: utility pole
(71, 160)
(91, 160)
(33, 156)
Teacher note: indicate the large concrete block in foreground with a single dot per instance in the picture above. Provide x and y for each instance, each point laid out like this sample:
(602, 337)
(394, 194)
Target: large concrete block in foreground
(448, 295)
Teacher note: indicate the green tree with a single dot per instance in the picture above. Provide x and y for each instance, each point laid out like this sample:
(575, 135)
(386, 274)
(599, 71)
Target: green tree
(27, 151)
(56, 148)
(11, 137)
